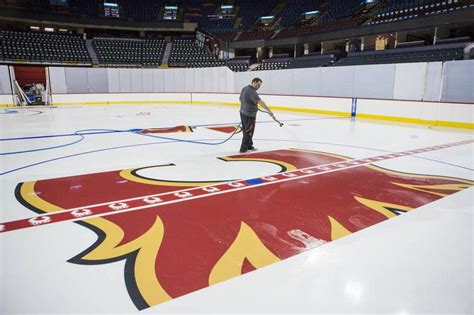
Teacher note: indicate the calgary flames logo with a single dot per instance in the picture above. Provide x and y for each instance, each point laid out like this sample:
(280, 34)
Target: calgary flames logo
(182, 128)
(178, 248)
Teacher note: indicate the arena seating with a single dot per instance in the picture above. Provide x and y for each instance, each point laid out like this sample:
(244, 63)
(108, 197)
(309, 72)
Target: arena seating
(250, 10)
(185, 53)
(315, 60)
(217, 25)
(446, 52)
(142, 10)
(273, 64)
(340, 9)
(294, 8)
(229, 36)
(43, 47)
(313, 29)
(137, 10)
(255, 35)
(86, 7)
(238, 66)
(144, 52)
(193, 12)
(197, 10)
(335, 15)
(396, 10)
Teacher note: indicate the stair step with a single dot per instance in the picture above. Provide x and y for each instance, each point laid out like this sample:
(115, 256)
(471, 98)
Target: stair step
(166, 55)
(92, 52)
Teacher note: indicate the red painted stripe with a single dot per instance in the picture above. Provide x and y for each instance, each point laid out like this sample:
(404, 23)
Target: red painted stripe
(144, 202)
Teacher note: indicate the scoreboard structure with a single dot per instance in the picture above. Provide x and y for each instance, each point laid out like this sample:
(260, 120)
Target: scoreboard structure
(111, 9)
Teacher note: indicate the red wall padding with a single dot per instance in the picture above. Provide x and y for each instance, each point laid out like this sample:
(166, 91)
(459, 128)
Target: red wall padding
(25, 75)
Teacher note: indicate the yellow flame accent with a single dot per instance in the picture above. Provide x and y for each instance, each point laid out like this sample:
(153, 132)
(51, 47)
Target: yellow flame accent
(380, 207)
(27, 192)
(337, 229)
(431, 188)
(467, 183)
(288, 166)
(246, 245)
(128, 175)
(186, 129)
(144, 268)
(147, 246)
(342, 157)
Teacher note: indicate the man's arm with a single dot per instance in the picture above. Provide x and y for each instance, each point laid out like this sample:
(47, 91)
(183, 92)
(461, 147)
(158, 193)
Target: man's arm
(262, 103)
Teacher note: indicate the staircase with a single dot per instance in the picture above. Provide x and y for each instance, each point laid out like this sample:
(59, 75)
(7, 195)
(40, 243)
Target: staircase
(166, 55)
(278, 7)
(92, 52)
(237, 22)
(275, 33)
(274, 12)
(237, 36)
(253, 66)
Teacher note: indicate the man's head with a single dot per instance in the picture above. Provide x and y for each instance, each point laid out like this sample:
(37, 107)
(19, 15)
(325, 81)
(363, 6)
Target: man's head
(256, 83)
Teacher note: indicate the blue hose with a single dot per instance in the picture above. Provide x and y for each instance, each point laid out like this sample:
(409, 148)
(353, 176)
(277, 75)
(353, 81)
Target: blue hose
(103, 131)
(44, 149)
(79, 133)
(82, 133)
(86, 132)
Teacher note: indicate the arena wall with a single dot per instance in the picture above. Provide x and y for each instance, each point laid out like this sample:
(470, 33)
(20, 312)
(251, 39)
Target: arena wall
(426, 93)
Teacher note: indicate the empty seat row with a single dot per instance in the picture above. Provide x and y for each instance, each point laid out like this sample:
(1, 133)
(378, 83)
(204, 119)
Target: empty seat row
(404, 55)
(135, 51)
(394, 11)
(312, 61)
(185, 53)
(43, 47)
(273, 65)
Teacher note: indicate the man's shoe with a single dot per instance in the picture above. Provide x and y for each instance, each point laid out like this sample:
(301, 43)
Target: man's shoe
(252, 148)
(242, 151)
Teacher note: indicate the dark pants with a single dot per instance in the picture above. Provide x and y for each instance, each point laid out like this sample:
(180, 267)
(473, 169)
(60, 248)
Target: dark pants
(248, 127)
